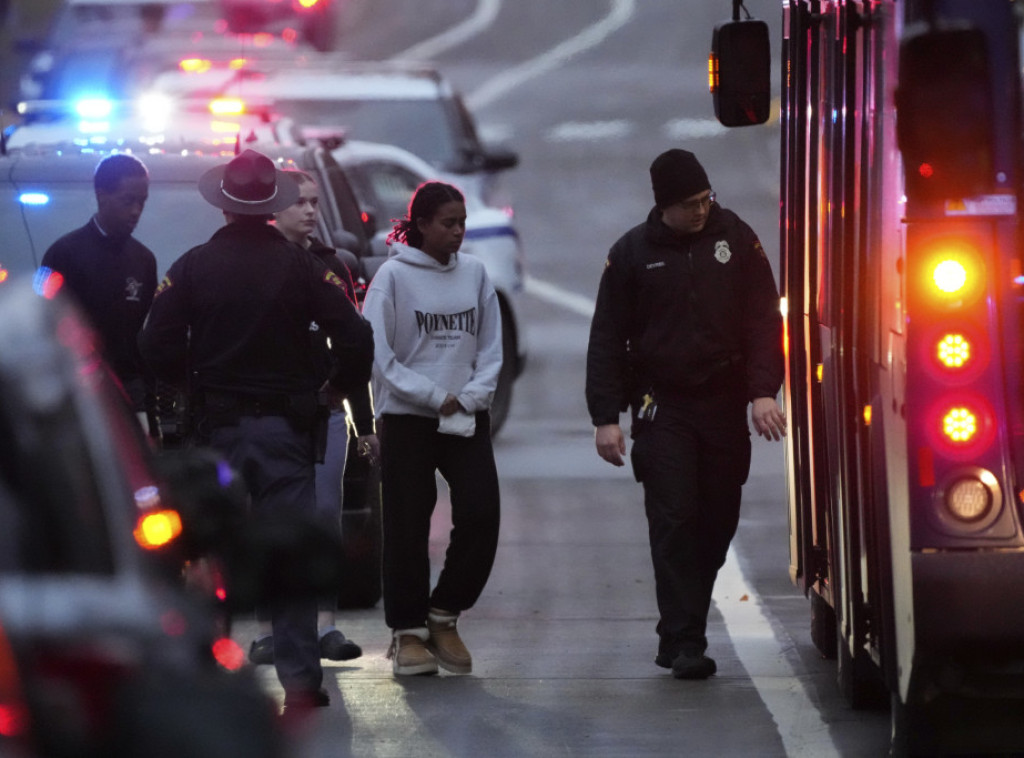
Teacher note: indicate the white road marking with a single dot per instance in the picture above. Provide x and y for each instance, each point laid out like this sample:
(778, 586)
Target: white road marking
(693, 128)
(800, 726)
(572, 131)
(492, 89)
(552, 293)
(484, 15)
(804, 734)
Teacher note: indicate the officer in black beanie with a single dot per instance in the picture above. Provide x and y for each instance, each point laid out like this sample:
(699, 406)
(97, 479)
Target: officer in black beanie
(686, 333)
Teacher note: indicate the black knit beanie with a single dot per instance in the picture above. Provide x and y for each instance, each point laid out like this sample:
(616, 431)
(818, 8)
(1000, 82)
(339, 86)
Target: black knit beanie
(676, 175)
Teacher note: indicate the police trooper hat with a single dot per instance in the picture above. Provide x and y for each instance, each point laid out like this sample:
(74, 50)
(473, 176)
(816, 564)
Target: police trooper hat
(676, 175)
(249, 185)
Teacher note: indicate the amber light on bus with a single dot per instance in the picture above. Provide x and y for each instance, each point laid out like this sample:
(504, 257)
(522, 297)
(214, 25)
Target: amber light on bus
(960, 425)
(712, 73)
(954, 351)
(954, 274)
(963, 425)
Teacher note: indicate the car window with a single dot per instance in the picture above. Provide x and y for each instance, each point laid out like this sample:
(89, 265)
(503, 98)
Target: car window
(347, 203)
(387, 187)
(420, 126)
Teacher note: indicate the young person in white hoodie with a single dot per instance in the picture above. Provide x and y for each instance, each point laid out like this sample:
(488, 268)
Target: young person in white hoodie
(437, 334)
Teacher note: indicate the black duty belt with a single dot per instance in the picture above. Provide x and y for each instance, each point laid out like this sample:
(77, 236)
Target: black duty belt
(247, 405)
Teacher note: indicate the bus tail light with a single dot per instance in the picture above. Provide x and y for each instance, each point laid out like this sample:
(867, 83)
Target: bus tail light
(954, 274)
(970, 500)
(962, 426)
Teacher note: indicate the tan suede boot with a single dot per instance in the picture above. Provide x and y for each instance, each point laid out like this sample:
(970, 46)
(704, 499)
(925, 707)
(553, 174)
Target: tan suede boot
(408, 653)
(445, 642)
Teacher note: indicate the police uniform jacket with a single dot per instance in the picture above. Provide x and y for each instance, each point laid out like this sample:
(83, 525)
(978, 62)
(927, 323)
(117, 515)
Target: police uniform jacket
(234, 315)
(679, 313)
(113, 280)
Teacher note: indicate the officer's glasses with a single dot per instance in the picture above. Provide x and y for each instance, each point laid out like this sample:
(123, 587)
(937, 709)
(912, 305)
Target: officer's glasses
(701, 202)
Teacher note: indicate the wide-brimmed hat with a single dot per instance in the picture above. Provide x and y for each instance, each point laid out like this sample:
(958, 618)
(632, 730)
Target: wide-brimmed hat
(249, 185)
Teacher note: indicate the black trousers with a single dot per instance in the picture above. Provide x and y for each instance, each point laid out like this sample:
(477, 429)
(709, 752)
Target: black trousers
(412, 450)
(692, 459)
(276, 462)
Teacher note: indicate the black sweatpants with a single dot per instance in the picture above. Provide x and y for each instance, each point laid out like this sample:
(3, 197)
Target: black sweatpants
(412, 450)
(693, 459)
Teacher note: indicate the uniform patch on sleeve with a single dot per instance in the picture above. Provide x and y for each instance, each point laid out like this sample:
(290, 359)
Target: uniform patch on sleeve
(331, 278)
(759, 249)
(165, 284)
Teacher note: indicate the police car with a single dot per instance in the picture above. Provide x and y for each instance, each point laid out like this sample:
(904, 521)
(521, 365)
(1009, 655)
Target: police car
(410, 105)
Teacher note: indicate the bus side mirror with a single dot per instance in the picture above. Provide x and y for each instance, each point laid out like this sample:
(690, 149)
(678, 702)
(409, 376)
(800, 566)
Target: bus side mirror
(739, 72)
(944, 114)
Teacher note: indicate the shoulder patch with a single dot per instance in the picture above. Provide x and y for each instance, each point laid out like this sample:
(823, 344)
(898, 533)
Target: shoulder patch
(759, 249)
(165, 284)
(331, 278)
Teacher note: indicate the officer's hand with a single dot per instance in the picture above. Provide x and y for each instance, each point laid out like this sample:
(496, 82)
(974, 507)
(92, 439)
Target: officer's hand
(368, 447)
(611, 445)
(769, 421)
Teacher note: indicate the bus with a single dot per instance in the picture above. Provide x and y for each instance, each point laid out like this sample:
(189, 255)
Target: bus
(902, 284)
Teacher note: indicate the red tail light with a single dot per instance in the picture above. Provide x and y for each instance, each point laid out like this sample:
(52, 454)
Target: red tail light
(14, 716)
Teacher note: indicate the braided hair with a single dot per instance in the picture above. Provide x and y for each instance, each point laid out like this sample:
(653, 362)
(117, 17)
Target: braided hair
(427, 198)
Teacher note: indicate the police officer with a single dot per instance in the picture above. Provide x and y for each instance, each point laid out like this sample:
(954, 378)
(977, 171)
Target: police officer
(231, 321)
(111, 274)
(686, 332)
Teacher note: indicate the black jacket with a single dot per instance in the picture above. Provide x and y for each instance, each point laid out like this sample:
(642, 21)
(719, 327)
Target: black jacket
(235, 312)
(359, 400)
(675, 312)
(113, 281)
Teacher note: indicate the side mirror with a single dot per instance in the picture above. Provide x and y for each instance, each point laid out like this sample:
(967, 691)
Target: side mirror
(499, 159)
(739, 72)
(944, 113)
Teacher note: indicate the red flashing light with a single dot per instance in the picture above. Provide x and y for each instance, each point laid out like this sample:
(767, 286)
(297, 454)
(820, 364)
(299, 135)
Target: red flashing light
(962, 426)
(228, 654)
(52, 285)
(926, 171)
(364, 217)
(289, 35)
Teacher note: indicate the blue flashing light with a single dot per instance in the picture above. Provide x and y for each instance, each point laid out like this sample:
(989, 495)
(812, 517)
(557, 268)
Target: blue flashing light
(93, 108)
(33, 198)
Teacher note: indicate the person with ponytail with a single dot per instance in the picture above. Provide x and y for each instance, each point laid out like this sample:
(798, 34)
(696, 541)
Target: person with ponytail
(437, 333)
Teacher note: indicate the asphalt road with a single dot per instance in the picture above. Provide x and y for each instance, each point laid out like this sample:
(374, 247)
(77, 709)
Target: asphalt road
(589, 91)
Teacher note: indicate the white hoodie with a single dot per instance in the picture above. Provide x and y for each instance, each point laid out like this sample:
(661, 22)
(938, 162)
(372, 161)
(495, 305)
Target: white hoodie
(436, 330)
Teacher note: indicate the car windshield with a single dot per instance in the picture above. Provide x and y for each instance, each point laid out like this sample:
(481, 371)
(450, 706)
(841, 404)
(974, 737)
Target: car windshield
(420, 126)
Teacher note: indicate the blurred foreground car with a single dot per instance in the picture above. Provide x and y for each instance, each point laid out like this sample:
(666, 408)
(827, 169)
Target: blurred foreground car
(105, 652)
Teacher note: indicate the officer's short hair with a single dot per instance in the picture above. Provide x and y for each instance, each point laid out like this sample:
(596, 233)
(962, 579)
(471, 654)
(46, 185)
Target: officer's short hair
(114, 168)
